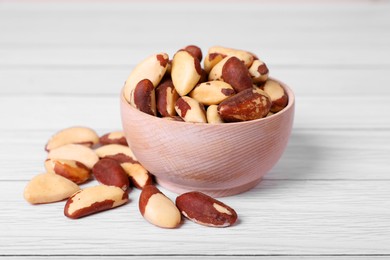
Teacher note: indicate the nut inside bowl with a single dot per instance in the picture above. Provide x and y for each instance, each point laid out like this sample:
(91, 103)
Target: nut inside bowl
(217, 159)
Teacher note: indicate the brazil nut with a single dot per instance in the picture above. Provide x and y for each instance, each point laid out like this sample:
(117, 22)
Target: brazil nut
(190, 110)
(166, 96)
(186, 72)
(94, 199)
(73, 135)
(277, 94)
(205, 210)
(212, 92)
(152, 68)
(249, 104)
(110, 172)
(70, 169)
(158, 209)
(144, 97)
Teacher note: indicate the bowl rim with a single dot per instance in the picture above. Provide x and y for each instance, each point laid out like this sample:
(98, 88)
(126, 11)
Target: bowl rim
(290, 105)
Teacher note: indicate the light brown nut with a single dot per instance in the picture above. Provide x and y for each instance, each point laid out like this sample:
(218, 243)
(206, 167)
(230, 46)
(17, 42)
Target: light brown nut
(158, 209)
(113, 149)
(186, 72)
(110, 172)
(166, 96)
(212, 92)
(211, 60)
(216, 72)
(190, 110)
(70, 169)
(213, 116)
(117, 137)
(216, 53)
(277, 94)
(195, 51)
(75, 152)
(139, 176)
(73, 135)
(205, 210)
(48, 187)
(152, 68)
(258, 71)
(236, 74)
(145, 97)
(247, 105)
(94, 199)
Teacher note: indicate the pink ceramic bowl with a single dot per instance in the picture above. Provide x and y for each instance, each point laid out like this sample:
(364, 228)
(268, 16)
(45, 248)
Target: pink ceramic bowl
(217, 159)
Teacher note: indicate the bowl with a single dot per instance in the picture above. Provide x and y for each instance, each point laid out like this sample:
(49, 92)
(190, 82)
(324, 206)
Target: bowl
(216, 159)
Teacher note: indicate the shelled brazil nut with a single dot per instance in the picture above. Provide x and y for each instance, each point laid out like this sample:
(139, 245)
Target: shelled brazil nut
(182, 88)
(73, 161)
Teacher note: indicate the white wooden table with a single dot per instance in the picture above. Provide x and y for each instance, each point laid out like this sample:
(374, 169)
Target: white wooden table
(63, 64)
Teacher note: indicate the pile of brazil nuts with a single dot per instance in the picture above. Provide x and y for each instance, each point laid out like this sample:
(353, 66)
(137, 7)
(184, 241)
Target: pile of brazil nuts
(77, 155)
(232, 86)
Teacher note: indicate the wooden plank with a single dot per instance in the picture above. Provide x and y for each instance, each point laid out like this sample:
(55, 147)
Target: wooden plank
(276, 218)
(310, 155)
(125, 56)
(351, 16)
(63, 64)
(308, 27)
(108, 80)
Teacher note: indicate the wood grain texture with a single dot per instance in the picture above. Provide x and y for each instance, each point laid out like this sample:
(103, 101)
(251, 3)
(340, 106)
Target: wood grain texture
(64, 63)
(282, 217)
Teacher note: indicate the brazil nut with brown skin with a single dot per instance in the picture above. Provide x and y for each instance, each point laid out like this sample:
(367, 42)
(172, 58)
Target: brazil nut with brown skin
(195, 51)
(73, 135)
(94, 199)
(152, 68)
(70, 169)
(110, 172)
(166, 96)
(236, 74)
(249, 104)
(216, 53)
(158, 209)
(75, 152)
(188, 90)
(116, 137)
(140, 177)
(258, 71)
(144, 97)
(277, 94)
(212, 92)
(190, 110)
(113, 149)
(205, 210)
(186, 72)
(216, 72)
